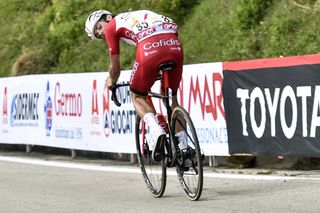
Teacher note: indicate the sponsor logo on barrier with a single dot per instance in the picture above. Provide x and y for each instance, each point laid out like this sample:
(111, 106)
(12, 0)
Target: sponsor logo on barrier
(212, 135)
(121, 121)
(5, 106)
(70, 133)
(106, 111)
(118, 121)
(24, 110)
(95, 118)
(284, 103)
(5, 111)
(94, 105)
(210, 95)
(48, 110)
(67, 104)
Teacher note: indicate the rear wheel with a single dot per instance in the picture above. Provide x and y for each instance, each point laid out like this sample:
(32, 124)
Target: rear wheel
(154, 173)
(189, 161)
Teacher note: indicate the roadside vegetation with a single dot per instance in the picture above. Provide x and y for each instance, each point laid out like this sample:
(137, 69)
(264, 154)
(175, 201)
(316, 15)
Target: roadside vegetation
(47, 36)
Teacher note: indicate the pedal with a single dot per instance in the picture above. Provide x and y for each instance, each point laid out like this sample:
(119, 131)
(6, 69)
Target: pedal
(168, 161)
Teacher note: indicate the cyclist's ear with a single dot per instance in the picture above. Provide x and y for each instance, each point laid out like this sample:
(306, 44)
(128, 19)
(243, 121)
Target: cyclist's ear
(109, 17)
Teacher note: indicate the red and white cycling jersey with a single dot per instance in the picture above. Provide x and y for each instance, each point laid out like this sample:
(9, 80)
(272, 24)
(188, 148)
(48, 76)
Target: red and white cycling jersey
(134, 27)
(157, 42)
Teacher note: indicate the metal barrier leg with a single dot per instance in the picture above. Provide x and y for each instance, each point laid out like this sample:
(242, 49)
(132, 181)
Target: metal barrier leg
(133, 158)
(213, 161)
(28, 148)
(73, 153)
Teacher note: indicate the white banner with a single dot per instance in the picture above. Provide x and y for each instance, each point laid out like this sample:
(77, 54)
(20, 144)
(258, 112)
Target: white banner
(74, 111)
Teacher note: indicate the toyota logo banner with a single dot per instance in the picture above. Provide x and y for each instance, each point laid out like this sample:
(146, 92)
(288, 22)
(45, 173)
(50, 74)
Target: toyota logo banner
(273, 106)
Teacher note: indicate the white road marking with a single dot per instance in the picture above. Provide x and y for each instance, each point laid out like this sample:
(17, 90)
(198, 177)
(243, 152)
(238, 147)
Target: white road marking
(121, 169)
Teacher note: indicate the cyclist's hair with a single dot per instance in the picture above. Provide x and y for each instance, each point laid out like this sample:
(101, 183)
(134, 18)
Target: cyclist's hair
(103, 17)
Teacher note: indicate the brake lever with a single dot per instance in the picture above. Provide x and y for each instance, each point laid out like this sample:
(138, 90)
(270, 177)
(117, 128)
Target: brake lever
(114, 98)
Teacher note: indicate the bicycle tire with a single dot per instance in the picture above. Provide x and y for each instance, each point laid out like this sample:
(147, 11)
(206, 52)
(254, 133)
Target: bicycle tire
(191, 179)
(154, 173)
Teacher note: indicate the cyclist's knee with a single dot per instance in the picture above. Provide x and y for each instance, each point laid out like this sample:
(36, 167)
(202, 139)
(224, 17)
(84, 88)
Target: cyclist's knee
(135, 96)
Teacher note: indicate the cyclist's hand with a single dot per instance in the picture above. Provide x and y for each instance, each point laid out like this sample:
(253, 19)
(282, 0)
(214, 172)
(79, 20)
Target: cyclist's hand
(109, 82)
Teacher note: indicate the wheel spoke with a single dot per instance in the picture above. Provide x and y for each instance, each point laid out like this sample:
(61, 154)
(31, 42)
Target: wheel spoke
(154, 173)
(190, 173)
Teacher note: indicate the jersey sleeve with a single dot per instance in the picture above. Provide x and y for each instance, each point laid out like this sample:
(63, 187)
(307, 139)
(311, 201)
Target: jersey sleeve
(111, 38)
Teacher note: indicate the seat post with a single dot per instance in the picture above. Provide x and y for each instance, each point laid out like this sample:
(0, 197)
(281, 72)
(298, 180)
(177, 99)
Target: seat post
(165, 78)
(165, 82)
(166, 68)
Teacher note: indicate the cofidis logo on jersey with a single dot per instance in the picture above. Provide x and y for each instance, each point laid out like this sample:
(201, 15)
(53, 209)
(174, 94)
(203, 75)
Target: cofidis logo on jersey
(161, 43)
(48, 110)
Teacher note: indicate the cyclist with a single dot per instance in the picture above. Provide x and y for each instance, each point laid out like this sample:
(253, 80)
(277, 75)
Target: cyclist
(156, 39)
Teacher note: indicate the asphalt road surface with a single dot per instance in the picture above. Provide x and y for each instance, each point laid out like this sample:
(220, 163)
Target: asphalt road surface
(41, 185)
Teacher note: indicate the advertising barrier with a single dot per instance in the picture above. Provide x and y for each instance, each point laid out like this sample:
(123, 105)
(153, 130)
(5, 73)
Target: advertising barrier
(272, 106)
(74, 111)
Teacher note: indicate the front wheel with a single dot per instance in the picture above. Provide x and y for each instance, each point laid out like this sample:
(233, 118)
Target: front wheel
(189, 167)
(154, 173)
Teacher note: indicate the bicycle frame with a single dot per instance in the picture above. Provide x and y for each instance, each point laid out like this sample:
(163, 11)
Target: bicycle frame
(164, 77)
(170, 147)
(188, 161)
(165, 98)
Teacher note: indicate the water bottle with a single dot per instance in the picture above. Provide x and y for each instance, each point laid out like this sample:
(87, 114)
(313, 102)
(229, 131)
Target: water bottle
(162, 122)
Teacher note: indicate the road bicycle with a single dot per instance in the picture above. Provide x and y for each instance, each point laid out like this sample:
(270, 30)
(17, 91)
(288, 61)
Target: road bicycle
(188, 161)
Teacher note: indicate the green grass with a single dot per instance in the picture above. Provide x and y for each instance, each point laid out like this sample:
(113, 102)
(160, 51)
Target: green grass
(215, 32)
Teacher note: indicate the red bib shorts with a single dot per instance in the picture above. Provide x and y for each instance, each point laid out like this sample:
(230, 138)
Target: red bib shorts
(151, 52)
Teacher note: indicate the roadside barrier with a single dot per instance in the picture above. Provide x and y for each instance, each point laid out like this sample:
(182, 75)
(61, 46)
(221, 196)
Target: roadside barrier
(259, 107)
(74, 111)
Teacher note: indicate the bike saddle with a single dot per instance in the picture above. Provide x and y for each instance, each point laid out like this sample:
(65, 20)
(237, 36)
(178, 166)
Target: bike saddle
(168, 66)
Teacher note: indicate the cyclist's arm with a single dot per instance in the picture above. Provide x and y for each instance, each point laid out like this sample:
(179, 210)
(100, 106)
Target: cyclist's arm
(112, 40)
(114, 68)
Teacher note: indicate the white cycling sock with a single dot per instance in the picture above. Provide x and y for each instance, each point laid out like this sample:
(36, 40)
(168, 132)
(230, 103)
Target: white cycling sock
(183, 139)
(154, 128)
(150, 120)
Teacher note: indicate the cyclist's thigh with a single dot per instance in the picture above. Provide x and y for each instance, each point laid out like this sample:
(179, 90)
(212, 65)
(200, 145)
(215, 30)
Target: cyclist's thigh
(143, 77)
(175, 75)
